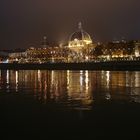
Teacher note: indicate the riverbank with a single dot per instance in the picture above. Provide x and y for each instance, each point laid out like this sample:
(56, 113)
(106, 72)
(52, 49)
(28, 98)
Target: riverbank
(113, 65)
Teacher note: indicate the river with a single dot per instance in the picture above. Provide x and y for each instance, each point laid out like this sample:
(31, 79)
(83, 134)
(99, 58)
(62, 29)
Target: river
(46, 99)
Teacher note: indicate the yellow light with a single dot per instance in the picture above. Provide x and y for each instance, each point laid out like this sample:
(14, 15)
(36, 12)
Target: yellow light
(87, 41)
(16, 80)
(7, 77)
(86, 57)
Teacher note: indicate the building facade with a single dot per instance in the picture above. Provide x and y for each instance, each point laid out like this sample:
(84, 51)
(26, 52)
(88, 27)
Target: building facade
(80, 45)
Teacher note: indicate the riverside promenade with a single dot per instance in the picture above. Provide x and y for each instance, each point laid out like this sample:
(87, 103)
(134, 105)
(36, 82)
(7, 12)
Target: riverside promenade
(112, 65)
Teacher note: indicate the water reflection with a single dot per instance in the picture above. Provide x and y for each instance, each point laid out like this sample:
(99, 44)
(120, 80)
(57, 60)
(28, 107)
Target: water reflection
(7, 80)
(79, 87)
(7, 77)
(16, 81)
(75, 89)
(0, 80)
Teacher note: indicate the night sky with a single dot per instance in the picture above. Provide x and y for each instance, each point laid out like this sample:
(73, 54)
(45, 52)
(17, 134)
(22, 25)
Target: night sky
(25, 22)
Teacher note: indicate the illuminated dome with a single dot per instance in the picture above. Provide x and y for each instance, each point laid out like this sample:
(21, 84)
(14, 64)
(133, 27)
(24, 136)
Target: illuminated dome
(79, 38)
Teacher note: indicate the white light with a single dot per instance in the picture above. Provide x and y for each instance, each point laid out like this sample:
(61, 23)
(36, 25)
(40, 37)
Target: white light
(39, 75)
(6, 61)
(108, 96)
(108, 77)
(81, 78)
(86, 79)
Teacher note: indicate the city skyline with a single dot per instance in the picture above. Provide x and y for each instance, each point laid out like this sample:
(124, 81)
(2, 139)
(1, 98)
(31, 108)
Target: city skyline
(24, 22)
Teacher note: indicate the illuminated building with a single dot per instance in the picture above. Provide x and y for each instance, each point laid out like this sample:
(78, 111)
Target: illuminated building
(79, 39)
(80, 44)
(10, 56)
(80, 48)
(46, 53)
(137, 49)
(118, 51)
(17, 55)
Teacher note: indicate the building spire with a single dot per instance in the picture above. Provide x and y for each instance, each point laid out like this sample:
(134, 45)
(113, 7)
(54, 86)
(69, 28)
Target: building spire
(44, 38)
(44, 43)
(80, 25)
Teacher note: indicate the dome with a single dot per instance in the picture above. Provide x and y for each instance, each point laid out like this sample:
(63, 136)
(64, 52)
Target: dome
(80, 35)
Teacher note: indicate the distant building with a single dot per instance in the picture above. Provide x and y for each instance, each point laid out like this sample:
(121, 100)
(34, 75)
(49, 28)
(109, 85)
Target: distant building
(44, 43)
(119, 51)
(80, 44)
(79, 48)
(17, 55)
(4, 53)
(79, 39)
(137, 49)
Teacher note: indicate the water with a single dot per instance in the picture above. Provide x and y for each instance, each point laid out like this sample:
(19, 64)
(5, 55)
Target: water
(63, 99)
(72, 89)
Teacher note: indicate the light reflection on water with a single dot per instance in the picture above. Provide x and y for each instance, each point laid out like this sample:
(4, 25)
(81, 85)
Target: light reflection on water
(74, 89)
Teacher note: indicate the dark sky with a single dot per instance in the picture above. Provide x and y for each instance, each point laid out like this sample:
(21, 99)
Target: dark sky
(24, 22)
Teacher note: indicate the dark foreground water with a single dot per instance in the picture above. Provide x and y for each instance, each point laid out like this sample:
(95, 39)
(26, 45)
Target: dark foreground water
(44, 104)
